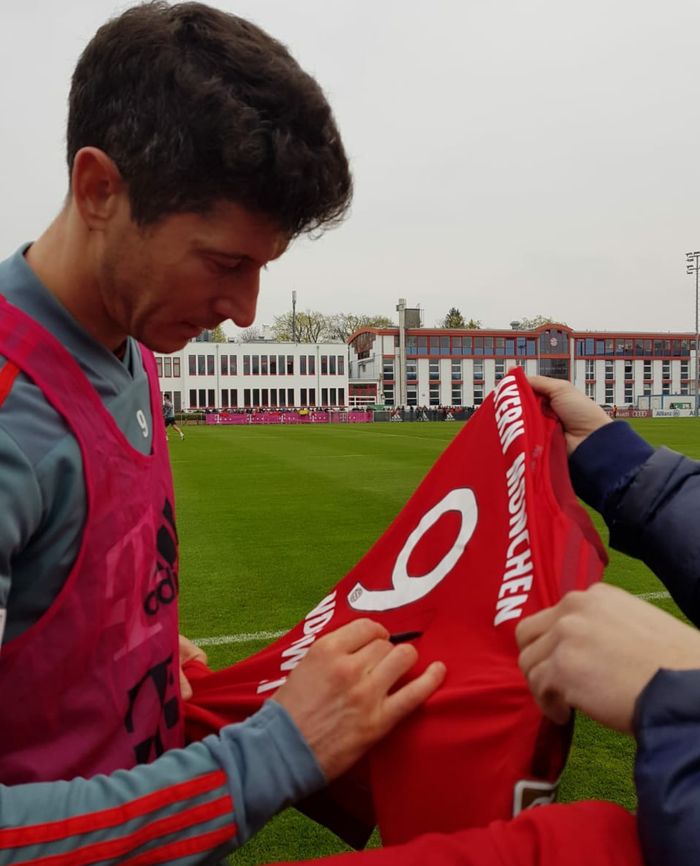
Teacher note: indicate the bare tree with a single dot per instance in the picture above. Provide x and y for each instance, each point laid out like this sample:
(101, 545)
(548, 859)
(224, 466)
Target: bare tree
(249, 335)
(342, 325)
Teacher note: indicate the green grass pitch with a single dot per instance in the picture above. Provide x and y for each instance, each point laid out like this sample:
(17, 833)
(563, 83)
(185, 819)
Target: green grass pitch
(271, 517)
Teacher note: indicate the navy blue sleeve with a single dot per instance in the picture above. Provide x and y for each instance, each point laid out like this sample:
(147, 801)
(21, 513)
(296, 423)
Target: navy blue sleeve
(667, 769)
(651, 503)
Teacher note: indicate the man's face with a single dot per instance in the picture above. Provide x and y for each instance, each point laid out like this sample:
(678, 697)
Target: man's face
(166, 283)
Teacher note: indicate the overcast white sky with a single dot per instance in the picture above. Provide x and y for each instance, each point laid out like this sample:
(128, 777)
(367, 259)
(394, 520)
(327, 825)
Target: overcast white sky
(510, 158)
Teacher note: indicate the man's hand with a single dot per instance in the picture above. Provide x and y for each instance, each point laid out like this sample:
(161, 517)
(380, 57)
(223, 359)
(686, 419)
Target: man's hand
(188, 651)
(579, 415)
(342, 697)
(597, 650)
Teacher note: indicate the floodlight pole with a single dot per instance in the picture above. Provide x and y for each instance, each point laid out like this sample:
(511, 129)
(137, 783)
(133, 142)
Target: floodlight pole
(294, 315)
(693, 266)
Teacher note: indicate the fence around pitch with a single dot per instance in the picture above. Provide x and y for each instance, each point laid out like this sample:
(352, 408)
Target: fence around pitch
(352, 417)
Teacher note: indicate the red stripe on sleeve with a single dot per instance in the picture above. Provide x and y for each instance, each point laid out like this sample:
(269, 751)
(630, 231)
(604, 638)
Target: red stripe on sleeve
(175, 850)
(8, 374)
(100, 851)
(62, 829)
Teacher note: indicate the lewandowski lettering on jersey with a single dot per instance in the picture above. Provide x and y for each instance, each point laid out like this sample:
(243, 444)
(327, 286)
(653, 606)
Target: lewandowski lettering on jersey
(492, 534)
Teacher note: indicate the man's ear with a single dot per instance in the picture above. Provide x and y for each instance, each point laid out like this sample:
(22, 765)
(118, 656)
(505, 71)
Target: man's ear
(96, 187)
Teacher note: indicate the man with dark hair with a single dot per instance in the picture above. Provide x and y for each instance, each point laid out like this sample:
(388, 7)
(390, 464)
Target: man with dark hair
(197, 150)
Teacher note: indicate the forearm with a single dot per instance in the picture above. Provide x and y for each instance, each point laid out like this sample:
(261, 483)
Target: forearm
(667, 770)
(191, 806)
(650, 502)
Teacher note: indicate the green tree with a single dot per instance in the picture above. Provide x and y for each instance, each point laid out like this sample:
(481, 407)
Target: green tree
(216, 335)
(453, 319)
(307, 327)
(473, 324)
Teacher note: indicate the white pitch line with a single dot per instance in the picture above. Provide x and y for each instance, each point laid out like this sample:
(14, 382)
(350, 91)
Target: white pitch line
(251, 637)
(244, 637)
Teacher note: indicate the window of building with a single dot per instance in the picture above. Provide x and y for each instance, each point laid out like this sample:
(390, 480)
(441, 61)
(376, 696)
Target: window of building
(159, 367)
(312, 365)
(256, 396)
(590, 390)
(629, 392)
(324, 365)
(411, 395)
(246, 398)
(290, 365)
(290, 397)
(193, 397)
(388, 369)
(302, 368)
(263, 367)
(273, 365)
(201, 365)
(500, 368)
(456, 395)
(478, 395)
(324, 396)
(434, 396)
(685, 369)
(334, 396)
(224, 398)
(211, 370)
(341, 365)
(590, 369)
(666, 388)
(176, 367)
(341, 396)
(388, 395)
(665, 369)
(456, 371)
(609, 370)
(211, 398)
(479, 371)
(282, 397)
(281, 366)
(273, 397)
(202, 398)
(264, 396)
(331, 364)
(647, 369)
(609, 393)
(312, 396)
(629, 373)
(224, 365)
(434, 371)
(246, 365)
(411, 370)
(255, 365)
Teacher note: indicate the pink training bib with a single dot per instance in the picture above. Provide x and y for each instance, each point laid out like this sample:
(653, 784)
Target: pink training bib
(93, 686)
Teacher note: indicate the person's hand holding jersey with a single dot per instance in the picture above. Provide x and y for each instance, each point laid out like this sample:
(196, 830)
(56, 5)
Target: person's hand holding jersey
(596, 651)
(343, 695)
(579, 415)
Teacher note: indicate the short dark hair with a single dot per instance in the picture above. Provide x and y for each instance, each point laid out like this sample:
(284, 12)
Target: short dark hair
(195, 106)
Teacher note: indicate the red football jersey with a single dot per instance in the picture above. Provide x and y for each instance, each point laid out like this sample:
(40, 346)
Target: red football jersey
(590, 833)
(492, 534)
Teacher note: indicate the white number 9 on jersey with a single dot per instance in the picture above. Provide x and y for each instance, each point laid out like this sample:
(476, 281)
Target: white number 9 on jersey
(404, 588)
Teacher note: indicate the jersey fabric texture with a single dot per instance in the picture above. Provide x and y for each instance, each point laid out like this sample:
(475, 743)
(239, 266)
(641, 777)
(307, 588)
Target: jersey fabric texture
(578, 834)
(492, 534)
(94, 682)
